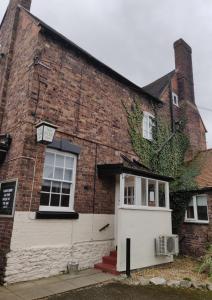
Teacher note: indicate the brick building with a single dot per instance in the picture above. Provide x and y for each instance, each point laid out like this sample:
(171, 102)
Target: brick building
(78, 198)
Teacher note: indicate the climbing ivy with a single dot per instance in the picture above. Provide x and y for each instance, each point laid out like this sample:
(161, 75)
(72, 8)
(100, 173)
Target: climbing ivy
(165, 155)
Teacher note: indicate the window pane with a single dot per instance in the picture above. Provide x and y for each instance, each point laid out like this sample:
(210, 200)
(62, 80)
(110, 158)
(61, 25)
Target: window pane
(44, 199)
(162, 194)
(65, 201)
(55, 200)
(190, 210)
(151, 192)
(68, 175)
(49, 159)
(151, 124)
(129, 190)
(59, 161)
(69, 163)
(56, 187)
(145, 126)
(202, 208)
(48, 172)
(46, 186)
(143, 198)
(58, 173)
(66, 188)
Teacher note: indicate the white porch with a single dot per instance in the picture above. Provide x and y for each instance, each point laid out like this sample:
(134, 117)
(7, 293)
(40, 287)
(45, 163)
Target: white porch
(142, 214)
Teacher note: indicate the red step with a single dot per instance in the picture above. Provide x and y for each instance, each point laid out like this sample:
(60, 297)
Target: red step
(108, 264)
(113, 253)
(107, 268)
(111, 260)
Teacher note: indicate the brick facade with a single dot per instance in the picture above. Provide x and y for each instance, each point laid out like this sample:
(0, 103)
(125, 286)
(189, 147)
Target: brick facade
(79, 95)
(196, 237)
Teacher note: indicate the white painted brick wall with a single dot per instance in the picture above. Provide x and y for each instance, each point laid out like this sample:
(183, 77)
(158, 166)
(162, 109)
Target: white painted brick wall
(43, 248)
(34, 263)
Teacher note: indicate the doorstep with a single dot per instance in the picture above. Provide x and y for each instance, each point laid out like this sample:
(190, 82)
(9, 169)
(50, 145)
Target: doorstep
(42, 288)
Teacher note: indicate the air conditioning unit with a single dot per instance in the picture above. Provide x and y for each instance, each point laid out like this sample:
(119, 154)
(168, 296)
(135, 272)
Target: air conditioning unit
(167, 245)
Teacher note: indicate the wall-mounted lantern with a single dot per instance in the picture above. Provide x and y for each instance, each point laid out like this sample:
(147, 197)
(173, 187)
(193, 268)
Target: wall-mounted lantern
(5, 142)
(45, 132)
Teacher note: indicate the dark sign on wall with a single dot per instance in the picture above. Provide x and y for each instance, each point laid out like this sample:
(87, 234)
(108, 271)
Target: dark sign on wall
(7, 197)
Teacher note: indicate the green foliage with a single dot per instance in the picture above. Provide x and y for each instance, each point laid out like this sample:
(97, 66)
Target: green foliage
(206, 265)
(179, 203)
(141, 146)
(165, 155)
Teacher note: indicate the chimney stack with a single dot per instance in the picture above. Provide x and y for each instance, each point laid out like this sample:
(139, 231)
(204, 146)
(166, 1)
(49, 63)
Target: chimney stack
(25, 3)
(184, 69)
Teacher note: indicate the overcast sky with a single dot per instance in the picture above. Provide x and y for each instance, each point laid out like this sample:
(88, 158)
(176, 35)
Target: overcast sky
(135, 37)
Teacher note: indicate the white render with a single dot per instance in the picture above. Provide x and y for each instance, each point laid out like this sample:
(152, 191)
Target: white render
(42, 248)
(142, 226)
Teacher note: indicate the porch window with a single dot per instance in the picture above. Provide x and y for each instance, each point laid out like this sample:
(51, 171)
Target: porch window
(57, 192)
(148, 124)
(129, 190)
(197, 211)
(152, 192)
(162, 194)
(136, 191)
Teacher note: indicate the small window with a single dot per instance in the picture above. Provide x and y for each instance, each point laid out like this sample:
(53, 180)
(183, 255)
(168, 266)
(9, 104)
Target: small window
(148, 124)
(57, 193)
(197, 210)
(175, 99)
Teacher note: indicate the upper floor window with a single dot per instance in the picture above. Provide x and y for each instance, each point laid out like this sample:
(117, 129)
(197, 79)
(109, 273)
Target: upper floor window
(148, 124)
(197, 210)
(175, 99)
(57, 193)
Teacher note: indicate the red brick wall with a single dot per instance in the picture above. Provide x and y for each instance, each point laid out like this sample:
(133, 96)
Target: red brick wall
(87, 106)
(14, 108)
(195, 237)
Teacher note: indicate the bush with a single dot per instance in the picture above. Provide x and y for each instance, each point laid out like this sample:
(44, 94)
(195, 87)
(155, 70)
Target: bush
(206, 265)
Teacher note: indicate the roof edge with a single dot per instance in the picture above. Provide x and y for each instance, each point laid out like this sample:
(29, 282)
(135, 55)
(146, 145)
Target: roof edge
(119, 168)
(102, 66)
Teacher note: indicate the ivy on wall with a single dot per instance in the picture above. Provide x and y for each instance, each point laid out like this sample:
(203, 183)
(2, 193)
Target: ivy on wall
(165, 155)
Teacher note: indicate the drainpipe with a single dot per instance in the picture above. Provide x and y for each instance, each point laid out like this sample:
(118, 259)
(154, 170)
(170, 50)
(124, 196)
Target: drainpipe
(171, 107)
(173, 123)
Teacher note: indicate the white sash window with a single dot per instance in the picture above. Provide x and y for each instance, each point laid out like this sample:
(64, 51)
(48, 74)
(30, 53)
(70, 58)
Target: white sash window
(148, 124)
(197, 211)
(57, 192)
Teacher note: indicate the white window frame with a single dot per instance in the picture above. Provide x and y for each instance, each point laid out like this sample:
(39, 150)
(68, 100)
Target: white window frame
(70, 208)
(175, 99)
(149, 134)
(195, 219)
(138, 193)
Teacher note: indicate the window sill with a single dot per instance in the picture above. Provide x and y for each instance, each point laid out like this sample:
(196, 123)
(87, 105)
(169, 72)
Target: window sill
(147, 208)
(57, 215)
(196, 222)
(176, 105)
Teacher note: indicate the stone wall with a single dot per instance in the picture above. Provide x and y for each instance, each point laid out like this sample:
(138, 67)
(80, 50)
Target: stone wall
(35, 263)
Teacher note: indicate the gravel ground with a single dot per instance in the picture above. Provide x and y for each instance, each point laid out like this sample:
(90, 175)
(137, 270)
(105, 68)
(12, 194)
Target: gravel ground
(182, 267)
(117, 291)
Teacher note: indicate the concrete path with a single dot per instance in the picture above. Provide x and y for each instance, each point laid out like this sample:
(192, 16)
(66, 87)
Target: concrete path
(54, 285)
